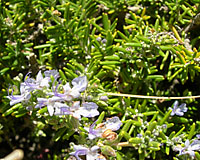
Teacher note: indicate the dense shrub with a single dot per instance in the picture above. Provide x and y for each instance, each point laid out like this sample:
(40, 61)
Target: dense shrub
(116, 79)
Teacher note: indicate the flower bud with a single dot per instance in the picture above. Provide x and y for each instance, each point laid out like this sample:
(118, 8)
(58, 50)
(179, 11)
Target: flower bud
(103, 98)
(109, 135)
(108, 151)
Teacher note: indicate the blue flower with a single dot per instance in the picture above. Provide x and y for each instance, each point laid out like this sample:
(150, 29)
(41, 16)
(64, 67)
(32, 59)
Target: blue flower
(37, 83)
(63, 109)
(50, 73)
(49, 102)
(112, 124)
(139, 135)
(178, 110)
(56, 106)
(24, 97)
(89, 109)
(90, 153)
(94, 132)
(79, 85)
(198, 136)
(188, 149)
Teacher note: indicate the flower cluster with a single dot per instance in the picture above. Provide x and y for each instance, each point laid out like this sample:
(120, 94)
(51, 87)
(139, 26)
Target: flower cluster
(65, 98)
(62, 98)
(59, 102)
(102, 130)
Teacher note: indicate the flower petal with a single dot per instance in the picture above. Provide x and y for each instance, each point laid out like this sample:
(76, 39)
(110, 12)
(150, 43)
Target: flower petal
(113, 123)
(80, 83)
(39, 76)
(44, 82)
(195, 145)
(89, 109)
(183, 107)
(53, 72)
(66, 87)
(16, 99)
(94, 148)
(50, 110)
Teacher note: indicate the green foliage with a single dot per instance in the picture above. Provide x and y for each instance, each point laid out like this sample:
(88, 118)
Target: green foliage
(143, 47)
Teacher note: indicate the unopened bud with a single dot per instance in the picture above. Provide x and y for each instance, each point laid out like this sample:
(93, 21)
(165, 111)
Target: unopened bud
(109, 135)
(108, 150)
(103, 98)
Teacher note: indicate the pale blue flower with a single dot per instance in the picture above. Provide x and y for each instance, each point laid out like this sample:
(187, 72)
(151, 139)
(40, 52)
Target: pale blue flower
(23, 97)
(103, 98)
(178, 110)
(89, 109)
(50, 73)
(49, 102)
(104, 41)
(41, 102)
(37, 83)
(56, 107)
(90, 153)
(139, 135)
(40, 81)
(79, 85)
(63, 109)
(198, 136)
(94, 132)
(113, 124)
(188, 149)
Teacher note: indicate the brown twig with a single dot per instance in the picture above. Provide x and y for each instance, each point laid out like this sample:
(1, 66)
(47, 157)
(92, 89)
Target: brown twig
(151, 97)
